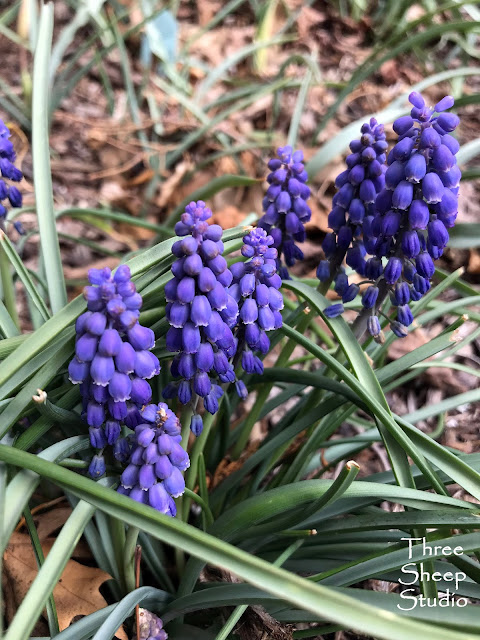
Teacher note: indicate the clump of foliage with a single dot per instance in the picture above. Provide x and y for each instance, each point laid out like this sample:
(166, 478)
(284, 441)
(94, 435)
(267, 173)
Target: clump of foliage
(130, 397)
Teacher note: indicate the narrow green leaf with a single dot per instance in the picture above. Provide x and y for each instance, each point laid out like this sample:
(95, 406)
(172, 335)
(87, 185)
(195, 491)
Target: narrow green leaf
(124, 608)
(18, 379)
(7, 325)
(446, 519)
(22, 486)
(465, 236)
(280, 583)
(42, 425)
(39, 381)
(369, 393)
(30, 287)
(41, 162)
(394, 559)
(40, 558)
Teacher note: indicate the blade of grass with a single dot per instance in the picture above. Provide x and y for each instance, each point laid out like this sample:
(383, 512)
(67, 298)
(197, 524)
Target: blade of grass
(299, 105)
(368, 386)
(41, 163)
(24, 276)
(39, 381)
(40, 558)
(124, 608)
(8, 287)
(7, 325)
(23, 485)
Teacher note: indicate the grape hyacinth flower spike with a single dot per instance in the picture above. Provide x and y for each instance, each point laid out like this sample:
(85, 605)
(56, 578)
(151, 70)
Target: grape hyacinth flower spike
(285, 206)
(8, 172)
(151, 626)
(153, 474)
(418, 205)
(255, 288)
(112, 361)
(412, 213)
(201, 314)
(354, 205)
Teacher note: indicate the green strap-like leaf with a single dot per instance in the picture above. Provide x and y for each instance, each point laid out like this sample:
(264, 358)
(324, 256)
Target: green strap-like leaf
(280, 583)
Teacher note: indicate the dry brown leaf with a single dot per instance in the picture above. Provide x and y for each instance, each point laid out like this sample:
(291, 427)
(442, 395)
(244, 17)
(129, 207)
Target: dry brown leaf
(228, 217)
(413, 341)
(76, 594)
(171, 184)
(228, 466)
(76, 273)
(49, 521)
(474, 262)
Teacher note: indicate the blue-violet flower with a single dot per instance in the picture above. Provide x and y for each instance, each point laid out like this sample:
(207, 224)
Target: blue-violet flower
(153, 474)
(358, 187)
(201, 313)
(255, 288)
(8, 171)
(407, 229)
(151, 626)
(112, 360)
(285, 206)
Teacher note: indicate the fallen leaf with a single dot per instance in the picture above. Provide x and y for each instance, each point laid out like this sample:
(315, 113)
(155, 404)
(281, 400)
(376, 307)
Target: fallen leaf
(76, 593)
(414, 340)
(228, 217)
(474, 262)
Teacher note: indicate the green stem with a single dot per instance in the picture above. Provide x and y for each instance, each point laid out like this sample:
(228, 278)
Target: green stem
(201, 503)
(264, 392)
(117, 531)
(129, 558)
(198, 447)
(8, 288)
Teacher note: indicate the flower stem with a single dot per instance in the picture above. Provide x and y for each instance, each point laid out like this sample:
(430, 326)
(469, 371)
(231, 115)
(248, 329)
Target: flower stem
(264, 392)
(198, 447)
(129, 558)
(117, 533)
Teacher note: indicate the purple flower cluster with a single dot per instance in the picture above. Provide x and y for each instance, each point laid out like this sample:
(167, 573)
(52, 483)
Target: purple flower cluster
(151, 626)
(112, 361)
(255, 287)
(201, 313)
(407, 231)
(154, 472)
(358, 187)
(9, 172)
(285, 206)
